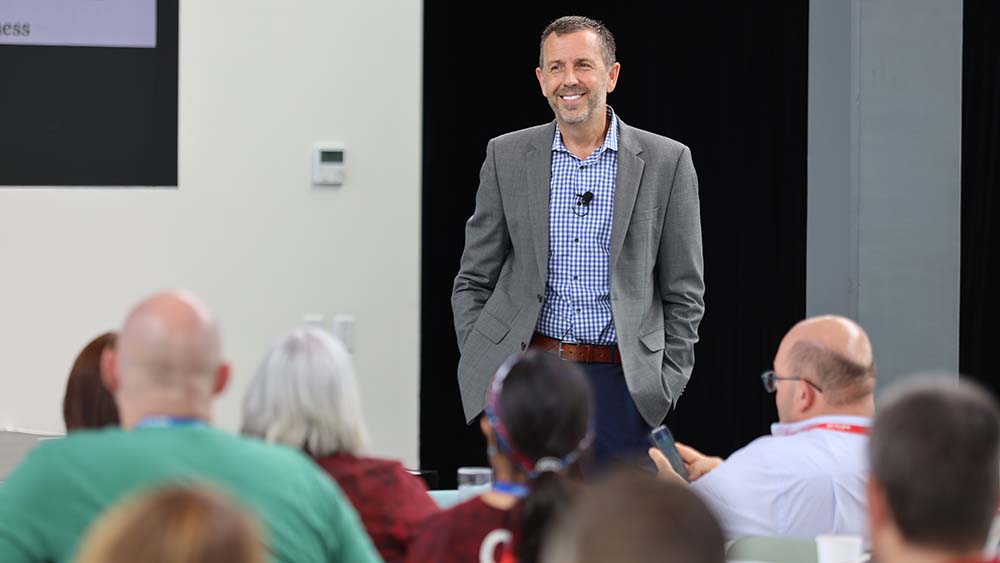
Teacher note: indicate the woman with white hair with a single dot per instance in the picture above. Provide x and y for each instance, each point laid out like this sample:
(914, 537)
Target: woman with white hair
(304, 395)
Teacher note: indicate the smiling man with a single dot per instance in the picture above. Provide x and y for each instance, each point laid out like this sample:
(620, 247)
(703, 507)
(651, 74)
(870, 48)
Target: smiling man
(585, 241)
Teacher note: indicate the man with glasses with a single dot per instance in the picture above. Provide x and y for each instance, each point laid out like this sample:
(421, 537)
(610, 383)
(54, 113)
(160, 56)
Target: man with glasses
(808, 477)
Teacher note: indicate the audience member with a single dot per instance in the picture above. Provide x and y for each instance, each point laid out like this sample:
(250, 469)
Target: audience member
(304, 395)
(808, 477)
(164, 374)
(636, 518)
(176, 524)
(537, 425)
(88, 403)
(935, 450)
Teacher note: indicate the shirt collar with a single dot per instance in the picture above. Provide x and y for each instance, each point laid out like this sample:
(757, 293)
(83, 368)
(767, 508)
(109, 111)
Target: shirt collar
(610, 138)
(790, 428)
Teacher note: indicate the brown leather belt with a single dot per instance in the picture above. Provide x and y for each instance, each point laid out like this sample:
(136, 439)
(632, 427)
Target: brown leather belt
(585, 353)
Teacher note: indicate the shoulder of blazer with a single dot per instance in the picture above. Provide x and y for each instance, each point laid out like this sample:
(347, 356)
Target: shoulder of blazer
(639, 140)
(539, 136)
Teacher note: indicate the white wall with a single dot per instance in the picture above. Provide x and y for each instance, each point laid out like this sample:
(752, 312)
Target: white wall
(260, 82)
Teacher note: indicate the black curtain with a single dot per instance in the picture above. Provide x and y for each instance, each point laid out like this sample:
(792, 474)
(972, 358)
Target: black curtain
(728, 80)
(980, 302)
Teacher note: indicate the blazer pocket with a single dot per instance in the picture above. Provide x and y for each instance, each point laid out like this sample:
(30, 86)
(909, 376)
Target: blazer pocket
(643, 215)
(654, 341)
(491, 327)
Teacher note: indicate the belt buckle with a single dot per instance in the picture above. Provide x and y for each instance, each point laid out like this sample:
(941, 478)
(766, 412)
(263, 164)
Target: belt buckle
(559, 350)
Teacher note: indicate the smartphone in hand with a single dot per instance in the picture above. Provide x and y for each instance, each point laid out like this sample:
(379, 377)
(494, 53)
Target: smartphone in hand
(664, 441)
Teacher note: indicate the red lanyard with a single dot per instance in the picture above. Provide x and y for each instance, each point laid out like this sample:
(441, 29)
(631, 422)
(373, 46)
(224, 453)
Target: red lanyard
(836, 427)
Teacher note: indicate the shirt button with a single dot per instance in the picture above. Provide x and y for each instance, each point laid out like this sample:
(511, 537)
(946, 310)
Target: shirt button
(576, 277)
(577, 239)
(578, 310)
(582, 166)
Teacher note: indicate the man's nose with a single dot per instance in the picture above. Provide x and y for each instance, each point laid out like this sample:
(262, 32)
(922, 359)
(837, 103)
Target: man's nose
(569, 78)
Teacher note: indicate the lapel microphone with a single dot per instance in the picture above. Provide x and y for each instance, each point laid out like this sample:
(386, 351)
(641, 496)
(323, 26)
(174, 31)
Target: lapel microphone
(585, 198)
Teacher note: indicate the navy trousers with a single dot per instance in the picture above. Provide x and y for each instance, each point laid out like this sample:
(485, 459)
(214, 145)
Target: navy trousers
(620, 433)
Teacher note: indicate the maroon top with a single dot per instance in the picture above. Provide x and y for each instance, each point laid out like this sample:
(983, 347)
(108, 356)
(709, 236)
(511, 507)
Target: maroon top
(390, 501)
(456, 535)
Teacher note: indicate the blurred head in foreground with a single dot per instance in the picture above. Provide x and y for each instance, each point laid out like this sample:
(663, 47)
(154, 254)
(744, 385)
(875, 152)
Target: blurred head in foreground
(635, 517)
(176, 524)
(935, 450)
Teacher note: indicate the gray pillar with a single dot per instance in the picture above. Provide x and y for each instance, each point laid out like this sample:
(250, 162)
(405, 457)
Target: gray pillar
(884, 175)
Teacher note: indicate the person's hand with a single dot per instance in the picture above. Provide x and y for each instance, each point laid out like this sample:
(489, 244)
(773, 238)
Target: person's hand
(663, 469)
(696, 463)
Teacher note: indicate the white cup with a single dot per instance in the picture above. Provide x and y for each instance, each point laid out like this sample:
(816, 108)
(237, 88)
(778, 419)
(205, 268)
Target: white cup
(838, 549)
(473, 481)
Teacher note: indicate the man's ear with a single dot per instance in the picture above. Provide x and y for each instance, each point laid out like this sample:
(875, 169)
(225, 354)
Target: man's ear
(613, 76)
(541, 80)
(805, 397)
(109, 369)
(221, 378)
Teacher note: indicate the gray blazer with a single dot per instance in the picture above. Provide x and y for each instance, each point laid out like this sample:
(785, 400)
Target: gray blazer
(655, 265)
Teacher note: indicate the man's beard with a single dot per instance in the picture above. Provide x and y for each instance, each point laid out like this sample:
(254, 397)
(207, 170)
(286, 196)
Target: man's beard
(574, 118)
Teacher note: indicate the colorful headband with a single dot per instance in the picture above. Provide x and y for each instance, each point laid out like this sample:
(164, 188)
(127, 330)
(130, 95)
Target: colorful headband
(533, 468)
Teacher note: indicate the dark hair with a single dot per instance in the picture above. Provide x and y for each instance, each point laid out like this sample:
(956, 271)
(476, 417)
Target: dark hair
(843, 380)
(572, 24)
(545, 405)
(87, 403)
(631, 516)
(935, 449)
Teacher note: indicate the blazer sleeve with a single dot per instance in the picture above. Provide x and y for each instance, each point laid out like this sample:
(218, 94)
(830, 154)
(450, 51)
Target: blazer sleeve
(487, 244)
(680, 273)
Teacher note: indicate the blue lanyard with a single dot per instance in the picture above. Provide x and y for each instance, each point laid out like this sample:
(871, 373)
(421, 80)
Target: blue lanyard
(512, 489)
(168, 422)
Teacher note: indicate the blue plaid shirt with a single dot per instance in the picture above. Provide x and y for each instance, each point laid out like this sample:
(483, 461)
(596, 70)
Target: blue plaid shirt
(577, 304)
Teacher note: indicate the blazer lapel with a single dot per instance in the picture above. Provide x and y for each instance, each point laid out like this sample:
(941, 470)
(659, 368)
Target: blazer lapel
(539, 171)
(626, 188)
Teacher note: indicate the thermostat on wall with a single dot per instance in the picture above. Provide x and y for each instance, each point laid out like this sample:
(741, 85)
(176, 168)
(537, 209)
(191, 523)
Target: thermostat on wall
(328, 166)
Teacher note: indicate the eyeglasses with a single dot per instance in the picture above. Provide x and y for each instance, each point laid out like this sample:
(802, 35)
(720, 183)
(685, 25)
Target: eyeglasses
(771, 379)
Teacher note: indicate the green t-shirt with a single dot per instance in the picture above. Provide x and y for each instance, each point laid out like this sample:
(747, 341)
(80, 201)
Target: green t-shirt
(63, 485)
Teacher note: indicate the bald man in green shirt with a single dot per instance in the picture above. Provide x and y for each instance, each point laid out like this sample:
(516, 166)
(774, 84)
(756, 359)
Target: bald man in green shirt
(166, 371)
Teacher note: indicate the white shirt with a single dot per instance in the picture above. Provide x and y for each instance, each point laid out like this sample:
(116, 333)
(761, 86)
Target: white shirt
(795, 483)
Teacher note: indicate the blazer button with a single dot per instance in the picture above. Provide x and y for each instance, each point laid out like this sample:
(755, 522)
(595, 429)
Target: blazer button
(523, 346)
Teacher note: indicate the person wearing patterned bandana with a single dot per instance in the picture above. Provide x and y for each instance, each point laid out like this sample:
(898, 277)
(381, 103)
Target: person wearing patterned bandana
(537, 427)
(585, 242)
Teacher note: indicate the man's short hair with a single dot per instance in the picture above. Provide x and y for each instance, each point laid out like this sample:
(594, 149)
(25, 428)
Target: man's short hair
(843, 380)
(572, 24)
(631, 516)
(935, 452)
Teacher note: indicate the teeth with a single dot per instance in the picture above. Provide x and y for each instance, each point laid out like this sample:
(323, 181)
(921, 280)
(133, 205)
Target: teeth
(572, 97)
